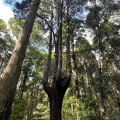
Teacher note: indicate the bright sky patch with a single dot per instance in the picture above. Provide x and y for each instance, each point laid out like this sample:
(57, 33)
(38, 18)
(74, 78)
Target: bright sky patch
(5, 12)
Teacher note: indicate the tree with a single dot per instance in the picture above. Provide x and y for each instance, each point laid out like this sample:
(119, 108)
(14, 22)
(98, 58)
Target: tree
(102, 26)
(61, 77)
(11, 74)
(60, 82)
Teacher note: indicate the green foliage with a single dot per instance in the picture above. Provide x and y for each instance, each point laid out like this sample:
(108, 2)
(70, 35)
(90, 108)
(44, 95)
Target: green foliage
(15, 26)
(42, 111)
(6, 45)
(93, 18)
(3, 26)
(18, 109)
(69, 111)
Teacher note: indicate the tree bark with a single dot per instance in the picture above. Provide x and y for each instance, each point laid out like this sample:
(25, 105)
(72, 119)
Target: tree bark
(59, 68)
(102, 95)
(56, 93)
(12, 72)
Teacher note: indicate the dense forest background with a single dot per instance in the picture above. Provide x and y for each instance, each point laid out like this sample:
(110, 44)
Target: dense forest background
(82, 37)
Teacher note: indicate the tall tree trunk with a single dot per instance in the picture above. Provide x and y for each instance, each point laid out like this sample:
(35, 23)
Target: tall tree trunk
(12, 72)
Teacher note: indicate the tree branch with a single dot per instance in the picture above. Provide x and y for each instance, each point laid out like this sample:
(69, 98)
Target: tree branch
(48, 26)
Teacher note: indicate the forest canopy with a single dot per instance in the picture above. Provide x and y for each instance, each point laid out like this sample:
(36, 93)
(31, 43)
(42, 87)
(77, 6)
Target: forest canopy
(60, 60)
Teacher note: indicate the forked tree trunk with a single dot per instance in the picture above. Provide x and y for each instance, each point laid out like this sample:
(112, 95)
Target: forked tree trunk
(60, 84)
(56, 94)
(12, 72)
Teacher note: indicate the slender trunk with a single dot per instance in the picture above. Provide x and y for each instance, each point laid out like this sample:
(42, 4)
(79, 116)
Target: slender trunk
(68, 58)
(2, 61)
(47, 69)
(56, 50)
(102, 96)
(12, 72)
(23, 84)
(59, 68)
(31, 104)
